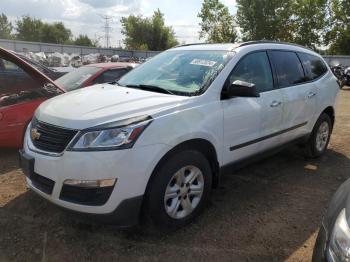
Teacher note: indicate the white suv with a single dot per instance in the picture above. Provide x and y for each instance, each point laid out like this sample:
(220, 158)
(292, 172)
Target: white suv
(154, 142)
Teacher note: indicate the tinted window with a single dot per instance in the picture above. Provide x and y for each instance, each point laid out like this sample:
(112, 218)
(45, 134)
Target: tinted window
(17, 86)
(314, 67)
(254, 68)
(288, 67)
(9, 66)
(110, 75)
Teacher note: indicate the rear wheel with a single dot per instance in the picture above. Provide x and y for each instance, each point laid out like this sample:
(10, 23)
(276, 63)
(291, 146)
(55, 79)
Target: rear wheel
(320, 136)
(179, 190)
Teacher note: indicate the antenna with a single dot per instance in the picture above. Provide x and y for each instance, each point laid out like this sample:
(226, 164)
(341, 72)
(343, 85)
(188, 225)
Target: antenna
(107, 28)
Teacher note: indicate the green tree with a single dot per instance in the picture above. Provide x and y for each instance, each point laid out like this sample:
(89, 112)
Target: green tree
(29, 29)
(5, 27)
(32, 29)
(147, 33)
(84, 40)
(309, 22)
(338, 35)
(217, 24)
(55, 33)
(265, 19)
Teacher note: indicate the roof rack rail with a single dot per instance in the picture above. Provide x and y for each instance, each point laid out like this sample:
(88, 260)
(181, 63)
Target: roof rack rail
(191, 44)
(249, 43)
(271, 42)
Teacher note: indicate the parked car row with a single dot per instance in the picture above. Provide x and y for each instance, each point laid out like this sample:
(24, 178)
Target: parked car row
(25, 84)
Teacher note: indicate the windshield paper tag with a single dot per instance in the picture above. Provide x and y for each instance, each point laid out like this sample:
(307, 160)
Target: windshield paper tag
(201, 62)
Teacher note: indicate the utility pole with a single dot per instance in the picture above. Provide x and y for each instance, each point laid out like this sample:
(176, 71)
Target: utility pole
(107, 19)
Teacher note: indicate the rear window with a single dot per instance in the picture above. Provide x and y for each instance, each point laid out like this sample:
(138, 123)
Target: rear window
(314, 66)
(288, 67)
(110, 75)
(76, 78)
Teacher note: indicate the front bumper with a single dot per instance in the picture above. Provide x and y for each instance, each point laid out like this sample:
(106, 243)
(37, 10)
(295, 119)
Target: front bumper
(131, 167)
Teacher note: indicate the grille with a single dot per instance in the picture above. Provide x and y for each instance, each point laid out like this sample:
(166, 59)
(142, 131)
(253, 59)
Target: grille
(52, 138)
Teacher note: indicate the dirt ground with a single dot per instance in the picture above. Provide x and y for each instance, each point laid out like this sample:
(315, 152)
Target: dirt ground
(268, 211)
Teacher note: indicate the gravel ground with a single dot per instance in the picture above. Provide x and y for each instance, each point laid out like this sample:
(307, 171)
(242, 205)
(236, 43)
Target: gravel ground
(268, 211)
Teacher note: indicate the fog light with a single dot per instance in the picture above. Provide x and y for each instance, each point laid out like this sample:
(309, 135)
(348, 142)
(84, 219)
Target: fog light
(91, 183)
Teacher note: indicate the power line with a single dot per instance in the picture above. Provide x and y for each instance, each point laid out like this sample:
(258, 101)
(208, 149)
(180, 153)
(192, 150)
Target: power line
(107, 19)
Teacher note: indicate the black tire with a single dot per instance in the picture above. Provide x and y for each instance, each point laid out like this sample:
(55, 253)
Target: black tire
(311, 149)
(155, 206)
(342, 83)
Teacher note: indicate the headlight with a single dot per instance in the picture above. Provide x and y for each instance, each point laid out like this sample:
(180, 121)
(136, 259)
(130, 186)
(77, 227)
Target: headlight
(119, 135)
(339, 246)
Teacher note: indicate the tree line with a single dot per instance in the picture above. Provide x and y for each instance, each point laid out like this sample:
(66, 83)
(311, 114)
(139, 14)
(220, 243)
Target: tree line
(323, 25)
(32, 29)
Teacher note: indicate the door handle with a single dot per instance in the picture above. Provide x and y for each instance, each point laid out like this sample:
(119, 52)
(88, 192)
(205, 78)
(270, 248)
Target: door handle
(311, 95)
(275, 103)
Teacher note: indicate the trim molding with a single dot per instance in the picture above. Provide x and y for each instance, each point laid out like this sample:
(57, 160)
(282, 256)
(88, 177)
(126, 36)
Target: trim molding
(232, 148)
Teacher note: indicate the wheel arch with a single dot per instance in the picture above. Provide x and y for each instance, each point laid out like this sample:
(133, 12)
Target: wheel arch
(201, 145)
(330, 112)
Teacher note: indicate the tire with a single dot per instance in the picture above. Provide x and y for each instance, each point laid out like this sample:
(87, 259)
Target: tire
(171, 176)
(318, 143)
(342, 84)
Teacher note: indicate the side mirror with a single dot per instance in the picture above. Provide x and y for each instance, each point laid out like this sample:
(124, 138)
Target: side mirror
(242, 89)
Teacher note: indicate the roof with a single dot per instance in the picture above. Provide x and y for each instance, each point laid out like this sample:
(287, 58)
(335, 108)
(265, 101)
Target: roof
(231, 47)
(272, 42)
(114, 65)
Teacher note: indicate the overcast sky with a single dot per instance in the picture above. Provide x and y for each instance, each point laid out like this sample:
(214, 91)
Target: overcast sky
(84, 16)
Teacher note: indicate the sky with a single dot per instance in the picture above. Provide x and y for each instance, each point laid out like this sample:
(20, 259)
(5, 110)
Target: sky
(85, 16)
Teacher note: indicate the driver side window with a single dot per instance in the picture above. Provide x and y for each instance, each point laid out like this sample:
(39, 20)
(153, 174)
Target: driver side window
(254, 68)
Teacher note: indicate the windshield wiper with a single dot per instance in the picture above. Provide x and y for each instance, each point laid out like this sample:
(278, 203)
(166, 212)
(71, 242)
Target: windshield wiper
(152, 88)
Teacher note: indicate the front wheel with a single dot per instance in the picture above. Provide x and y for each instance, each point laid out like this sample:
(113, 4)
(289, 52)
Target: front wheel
(179, 190)
(320, 136)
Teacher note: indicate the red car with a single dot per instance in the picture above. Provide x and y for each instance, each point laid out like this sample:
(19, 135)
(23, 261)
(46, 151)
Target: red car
(94, 74)
(22, 89)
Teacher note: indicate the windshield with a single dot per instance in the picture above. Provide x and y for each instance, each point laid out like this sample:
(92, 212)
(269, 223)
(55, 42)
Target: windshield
(76, 78)
(180, 72)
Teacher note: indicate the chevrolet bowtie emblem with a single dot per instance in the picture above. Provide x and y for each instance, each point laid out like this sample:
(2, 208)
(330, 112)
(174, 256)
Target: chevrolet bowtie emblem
(34, 134)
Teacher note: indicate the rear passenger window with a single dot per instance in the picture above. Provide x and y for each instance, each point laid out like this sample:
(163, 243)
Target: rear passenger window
(254, 68)
(288, 67)
(314, 67)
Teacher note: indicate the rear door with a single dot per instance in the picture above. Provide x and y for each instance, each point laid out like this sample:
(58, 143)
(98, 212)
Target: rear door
(252, 125)
(22, 89)
(299, 103)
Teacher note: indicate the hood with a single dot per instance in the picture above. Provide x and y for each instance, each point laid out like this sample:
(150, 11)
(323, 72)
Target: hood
(100, 104)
